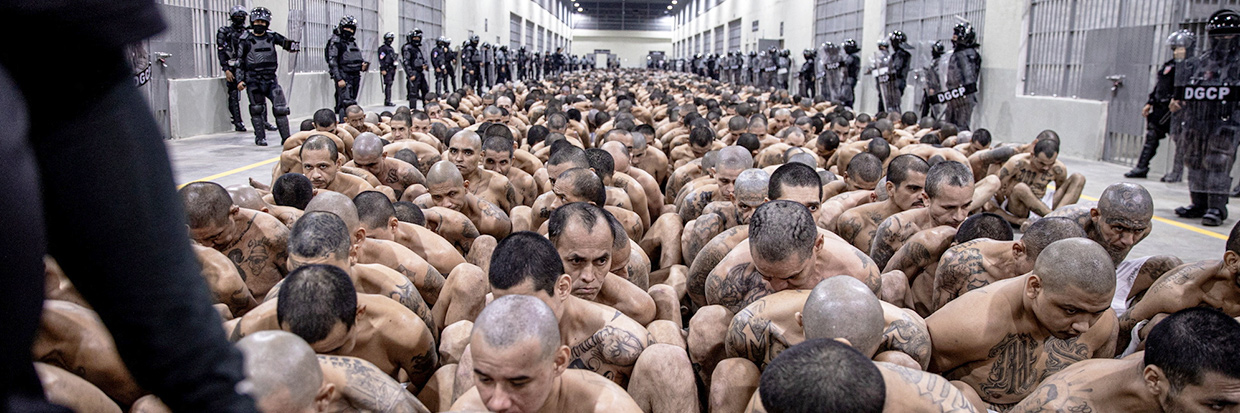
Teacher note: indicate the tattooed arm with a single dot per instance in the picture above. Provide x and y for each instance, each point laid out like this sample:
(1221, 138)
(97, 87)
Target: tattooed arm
(494, 221)
(848, 227)
(930, 388)
(754, 337)
(702, 230)
(735, 286)
(959, 270)
(888, 238)
(413, 349)
(906, 334)
(610, 352)
(921, 250)
(705, 261)
(364, 387)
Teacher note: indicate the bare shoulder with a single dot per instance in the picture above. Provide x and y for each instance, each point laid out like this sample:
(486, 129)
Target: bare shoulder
(267, 223)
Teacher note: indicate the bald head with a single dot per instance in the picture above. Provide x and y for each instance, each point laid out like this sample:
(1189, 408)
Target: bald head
(619, 153)
(246, 196)
(1126, 202)
(367, 146)
(751, 185)
(734, 158)
(843, 307)
(206, 203)
(467, 138)
(336, 203)
(1046, 231)
(1076, 263)
(444, 172)
(281, 370)
(639, 142)
(515, 318)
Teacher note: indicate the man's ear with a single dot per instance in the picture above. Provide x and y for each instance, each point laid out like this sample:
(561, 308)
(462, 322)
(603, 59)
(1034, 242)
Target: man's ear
(327, 395)
(1155, 380)
(1033, 286)
(466, 184)
(563, 287)
(233, 211)
(800, 322)
(361, 310)
(393, 224)
(562, 357)
(1018, 249)
(1094, 214)
(891, 188)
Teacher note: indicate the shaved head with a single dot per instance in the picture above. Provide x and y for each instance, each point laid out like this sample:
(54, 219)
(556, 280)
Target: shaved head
(282, 371)
(367, 146)
(470, 138)
(639, 141)
(734, 158)
(515, 318)
(619, 153)
(206, 203)
(1128, 202)
(1076, 263)
(336, 203)
(246, 196)
(751, 185)
(1045, 231)
(843, 307)
(444, 172)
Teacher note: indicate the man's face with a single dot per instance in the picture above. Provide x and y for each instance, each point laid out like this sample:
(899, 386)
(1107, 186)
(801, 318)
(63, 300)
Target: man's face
(1216, 393)
(951, 207)
(587, 256)
(516, 379)
(842, 131)
(1118, 233)
(421, 125)
(727, 182)
(699, 151)
(554, 171)
(564, 194)
(790, 273)
(782, 121)
(1042, 163)
(855, 183)
(824, 153)
(356, 120)
(974, 146)
(909, 194)
(497, 161)
(804, 195)
(447, 195)
(216, 235)
(372, 163)
(319, 167)
(494, 118)
(745, 206)
(400, 130)
(465, 155)
(1070, 312)
(435, 112)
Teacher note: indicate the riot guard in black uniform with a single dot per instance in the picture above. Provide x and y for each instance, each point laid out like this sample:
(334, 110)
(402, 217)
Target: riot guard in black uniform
(257, 64)
(808, 81)
(930, 81)
(1156, 113)
(1207, 120)
(414, 61)
(226, 49)
(503, 70)
(450, 63)
(899, 67)
(439, 61)
(345, 63)
(471, 64)
(523, 63)
(852, 66)
(387, 66)
(783, 68)
(960, 70)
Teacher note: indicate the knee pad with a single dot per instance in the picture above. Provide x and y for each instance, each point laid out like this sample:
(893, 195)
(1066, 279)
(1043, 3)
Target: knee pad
(280, 110)
(1216, 161)
(258, 109)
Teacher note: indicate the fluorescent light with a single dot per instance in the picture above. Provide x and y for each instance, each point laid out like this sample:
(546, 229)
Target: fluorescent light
(669, 7)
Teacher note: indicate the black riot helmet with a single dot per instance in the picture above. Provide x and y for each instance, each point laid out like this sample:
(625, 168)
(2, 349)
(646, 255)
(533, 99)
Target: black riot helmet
(897, 39)
(414, 36)
(808, 53)
(347, 22)
(441, 41)
(474, 40)
(389, 37)
(753, 53)
(1182, 39)
(850, 46)
(260, 14)
(1222, 28)
(963, 35)
(238, 15)
(936, 49)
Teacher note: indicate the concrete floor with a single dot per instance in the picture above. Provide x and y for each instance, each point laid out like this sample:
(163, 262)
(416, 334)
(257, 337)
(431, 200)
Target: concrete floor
(232, 158)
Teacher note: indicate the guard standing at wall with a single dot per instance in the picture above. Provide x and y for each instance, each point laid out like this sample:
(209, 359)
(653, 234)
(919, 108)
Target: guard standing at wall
(808, 81)
(962, 69)
(783, 68)
(226, 49)
(755, 68)
(488, 66)
(1207, 119)
(523, 64)
(471, 61)
(439, 61)
(930, 81)
(387, 66)
(503, 70)
(557, 60)
(345, 63)
(451, 63)
(415, 68)
(1156, 113)
(901, 60)
(853, 70)
(256, 55)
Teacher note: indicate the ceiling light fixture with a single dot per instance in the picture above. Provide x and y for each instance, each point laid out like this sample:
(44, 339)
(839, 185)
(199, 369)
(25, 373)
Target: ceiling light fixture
(669, 7)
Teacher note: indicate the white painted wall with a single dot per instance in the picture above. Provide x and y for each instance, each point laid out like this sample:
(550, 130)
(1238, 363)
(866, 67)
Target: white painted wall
(797, 17)
(630, 46)
(490, 20)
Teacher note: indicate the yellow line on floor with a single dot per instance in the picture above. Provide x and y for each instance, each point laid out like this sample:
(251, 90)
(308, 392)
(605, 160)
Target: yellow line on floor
(1176, 223)
(232, 171)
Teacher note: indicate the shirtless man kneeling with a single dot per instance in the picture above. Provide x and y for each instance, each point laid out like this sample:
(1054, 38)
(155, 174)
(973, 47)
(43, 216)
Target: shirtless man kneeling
(321, 163)
(1030, 326)
(1191, 363)
(520, 364)
(448, 189)
(906, 182)
(255, 242)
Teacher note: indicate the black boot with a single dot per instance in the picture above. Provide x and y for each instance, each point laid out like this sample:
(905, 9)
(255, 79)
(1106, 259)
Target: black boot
(239, 127)
(1137, 172)
(260, 141)
(1217, 211)
(1147, 153)
(1196, 209)
(272, 127)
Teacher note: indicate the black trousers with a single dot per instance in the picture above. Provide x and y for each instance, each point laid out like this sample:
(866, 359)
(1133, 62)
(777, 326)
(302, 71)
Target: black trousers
(262, 89)
(118, 232)
(388, 79)
(416, 87)
(347, 95)
(234, 102)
